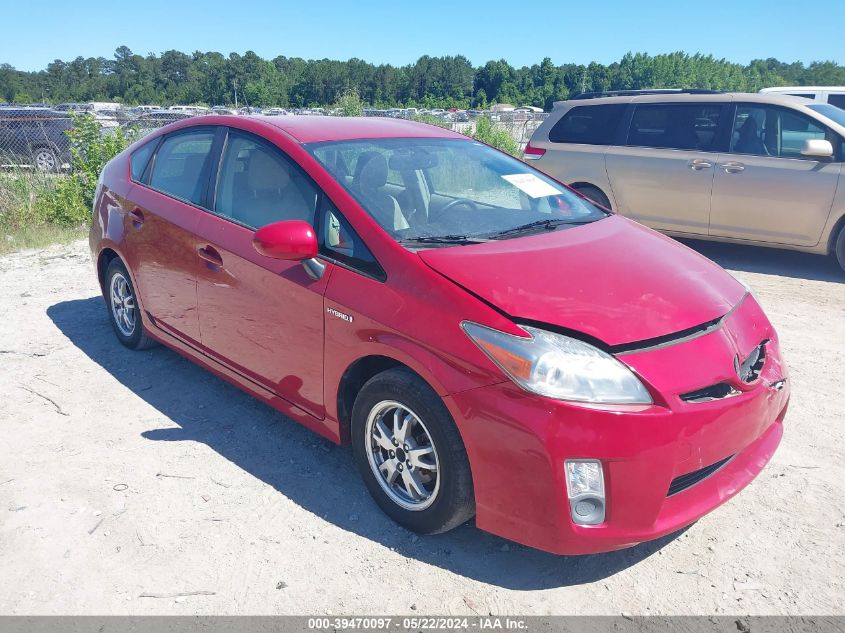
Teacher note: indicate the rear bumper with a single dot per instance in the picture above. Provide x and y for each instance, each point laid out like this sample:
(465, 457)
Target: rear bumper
(518, 442)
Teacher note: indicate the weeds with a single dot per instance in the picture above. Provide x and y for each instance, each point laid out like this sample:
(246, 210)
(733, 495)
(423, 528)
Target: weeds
(36, 206)
(484, 130)
(488, 132)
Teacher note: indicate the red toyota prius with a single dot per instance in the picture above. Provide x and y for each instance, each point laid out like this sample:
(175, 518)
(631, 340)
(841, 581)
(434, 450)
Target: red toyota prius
(490, 343)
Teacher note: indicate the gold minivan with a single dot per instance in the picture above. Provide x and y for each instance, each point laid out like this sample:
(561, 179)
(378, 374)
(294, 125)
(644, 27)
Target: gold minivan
(759, 169)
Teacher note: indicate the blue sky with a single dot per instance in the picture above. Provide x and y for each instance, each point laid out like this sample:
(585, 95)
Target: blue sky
(399, 31)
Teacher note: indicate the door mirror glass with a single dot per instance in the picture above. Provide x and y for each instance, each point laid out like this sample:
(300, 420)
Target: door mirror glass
(817, 147)
(292, 240)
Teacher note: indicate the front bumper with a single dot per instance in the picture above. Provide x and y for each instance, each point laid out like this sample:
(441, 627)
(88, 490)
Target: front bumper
(517, 444)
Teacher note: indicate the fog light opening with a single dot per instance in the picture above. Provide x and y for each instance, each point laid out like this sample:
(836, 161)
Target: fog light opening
(585, 489)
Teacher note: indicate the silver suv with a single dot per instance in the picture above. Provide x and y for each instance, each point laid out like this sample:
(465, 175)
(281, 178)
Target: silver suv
(758, 169)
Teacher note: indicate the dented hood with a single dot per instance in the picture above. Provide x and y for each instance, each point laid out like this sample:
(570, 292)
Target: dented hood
(614, 280)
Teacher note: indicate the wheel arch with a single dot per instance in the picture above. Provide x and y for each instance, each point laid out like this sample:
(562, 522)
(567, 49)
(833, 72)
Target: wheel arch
(106, 256)
(355, 376)
(584, 183)
(838, 226)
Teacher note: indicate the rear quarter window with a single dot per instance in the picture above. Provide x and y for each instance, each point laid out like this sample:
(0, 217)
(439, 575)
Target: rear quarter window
(589, 125)
(138, 161)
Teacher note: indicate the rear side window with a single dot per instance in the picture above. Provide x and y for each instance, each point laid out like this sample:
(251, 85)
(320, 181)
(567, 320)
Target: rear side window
(181, 165)
(590, 125)
(139, 160)
(837, 100)
(675, 126)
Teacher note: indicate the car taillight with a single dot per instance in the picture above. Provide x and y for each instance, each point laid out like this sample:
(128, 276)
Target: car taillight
(533, 153)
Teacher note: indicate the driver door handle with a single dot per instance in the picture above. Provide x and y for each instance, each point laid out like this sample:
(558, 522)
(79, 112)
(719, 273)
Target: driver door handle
(212, 258)
(732, 167)
(137, 218)
(699, 164)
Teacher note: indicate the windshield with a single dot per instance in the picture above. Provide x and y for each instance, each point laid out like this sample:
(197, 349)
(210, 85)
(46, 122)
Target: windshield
(831, 112)
(447, 191)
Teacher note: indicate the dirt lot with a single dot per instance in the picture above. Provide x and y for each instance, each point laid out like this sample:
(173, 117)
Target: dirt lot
(129, 474)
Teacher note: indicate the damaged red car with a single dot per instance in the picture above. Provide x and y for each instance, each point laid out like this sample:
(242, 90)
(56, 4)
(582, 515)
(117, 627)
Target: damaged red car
(490, 343)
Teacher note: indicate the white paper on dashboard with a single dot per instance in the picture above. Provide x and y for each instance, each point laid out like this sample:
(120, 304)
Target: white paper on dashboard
(531, 185)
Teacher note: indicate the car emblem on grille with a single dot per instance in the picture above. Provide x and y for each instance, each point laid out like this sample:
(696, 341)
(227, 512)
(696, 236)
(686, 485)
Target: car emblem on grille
(749, 370)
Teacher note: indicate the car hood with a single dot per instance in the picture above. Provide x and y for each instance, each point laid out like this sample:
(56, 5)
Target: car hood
(614, 280)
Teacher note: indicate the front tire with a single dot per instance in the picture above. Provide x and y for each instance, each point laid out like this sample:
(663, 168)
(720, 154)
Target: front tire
(124, 311)
(410, 454)
(839, 248)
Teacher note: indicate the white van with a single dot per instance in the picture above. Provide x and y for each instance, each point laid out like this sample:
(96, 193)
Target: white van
(834, 95)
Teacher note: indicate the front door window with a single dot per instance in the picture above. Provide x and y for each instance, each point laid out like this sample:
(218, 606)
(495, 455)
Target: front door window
(769, 131)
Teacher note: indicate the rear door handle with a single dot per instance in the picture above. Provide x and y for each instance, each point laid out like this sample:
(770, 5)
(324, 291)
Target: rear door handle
(211, 257)
(137, 218)
(699, 164)
(732, 167)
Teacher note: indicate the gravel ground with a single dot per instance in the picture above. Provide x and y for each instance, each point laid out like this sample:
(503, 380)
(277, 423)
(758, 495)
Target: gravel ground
(137, 483)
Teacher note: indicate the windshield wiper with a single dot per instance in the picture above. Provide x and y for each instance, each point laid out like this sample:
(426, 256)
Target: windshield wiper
(444, 239)
(548, 225)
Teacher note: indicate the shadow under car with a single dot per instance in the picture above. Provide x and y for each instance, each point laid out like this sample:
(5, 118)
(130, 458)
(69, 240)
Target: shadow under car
(311, 471)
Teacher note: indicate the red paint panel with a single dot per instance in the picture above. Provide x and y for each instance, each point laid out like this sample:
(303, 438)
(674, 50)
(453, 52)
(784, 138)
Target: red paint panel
(161, 253)
(614, 280)
(261, 316)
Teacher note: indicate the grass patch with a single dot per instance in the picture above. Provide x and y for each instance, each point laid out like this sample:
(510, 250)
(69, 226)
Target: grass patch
(38, 209)
(39, 237)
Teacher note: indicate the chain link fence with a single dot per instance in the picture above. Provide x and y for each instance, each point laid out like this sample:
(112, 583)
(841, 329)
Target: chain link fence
(35, 137)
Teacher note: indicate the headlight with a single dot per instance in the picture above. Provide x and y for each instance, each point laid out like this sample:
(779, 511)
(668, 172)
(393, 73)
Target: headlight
(559, 367)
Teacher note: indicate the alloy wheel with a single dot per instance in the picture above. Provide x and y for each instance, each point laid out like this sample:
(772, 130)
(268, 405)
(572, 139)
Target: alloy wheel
(402, 455)
(122, 304)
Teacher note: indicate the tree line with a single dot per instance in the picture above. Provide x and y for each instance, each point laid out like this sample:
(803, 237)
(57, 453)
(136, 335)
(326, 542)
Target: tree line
(450, 81)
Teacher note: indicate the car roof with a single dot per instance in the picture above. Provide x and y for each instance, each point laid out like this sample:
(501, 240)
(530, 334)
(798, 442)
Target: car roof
(31, 111)
(754, 97)
(313, 129)
(804, 89)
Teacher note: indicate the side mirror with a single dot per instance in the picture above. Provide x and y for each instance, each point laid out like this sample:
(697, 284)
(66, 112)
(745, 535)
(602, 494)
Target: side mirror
(293, 240)
(817, 147)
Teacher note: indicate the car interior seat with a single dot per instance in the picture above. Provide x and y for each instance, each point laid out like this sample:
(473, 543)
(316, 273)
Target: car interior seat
(268, 193)
(681, 133)
(369, 179)
(748, 140)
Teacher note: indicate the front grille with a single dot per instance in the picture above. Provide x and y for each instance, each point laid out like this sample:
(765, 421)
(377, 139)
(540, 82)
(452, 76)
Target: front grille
(683, 482)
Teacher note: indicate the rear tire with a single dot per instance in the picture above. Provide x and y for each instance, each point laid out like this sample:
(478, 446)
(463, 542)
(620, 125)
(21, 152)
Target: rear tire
(123, 309)
(595, 194)
(419, 476)
(839, 248)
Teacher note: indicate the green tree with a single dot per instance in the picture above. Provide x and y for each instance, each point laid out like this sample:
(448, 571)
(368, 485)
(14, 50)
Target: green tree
(349, 103)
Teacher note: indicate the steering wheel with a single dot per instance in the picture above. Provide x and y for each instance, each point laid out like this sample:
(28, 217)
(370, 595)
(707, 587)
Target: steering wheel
(456, 202)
